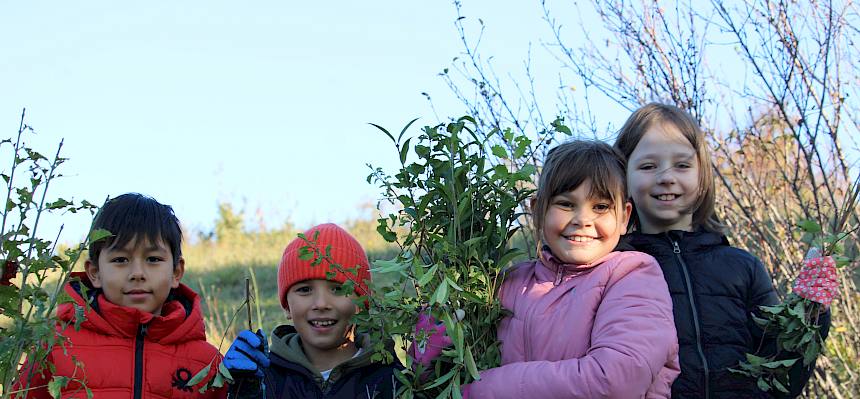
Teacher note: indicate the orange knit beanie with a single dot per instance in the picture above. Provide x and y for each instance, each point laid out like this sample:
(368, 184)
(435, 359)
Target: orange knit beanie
(344, 250)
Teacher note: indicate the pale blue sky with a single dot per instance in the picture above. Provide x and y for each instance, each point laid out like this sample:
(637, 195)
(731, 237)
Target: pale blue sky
(261, 104)
(264, 104)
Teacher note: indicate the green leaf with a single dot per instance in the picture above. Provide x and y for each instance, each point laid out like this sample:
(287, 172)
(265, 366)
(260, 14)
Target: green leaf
(558, 125)
(474, 241)
(779, 386)
(842, 261)
(199, 376)
(809, 226)
(427, 276)
(99, 234)
(80, 316)
(779, 363)
(469, 360)
(453, 284)
(306, 253)
(60, 203)
(763, 385)
(446, 393)
(509, 257)
(775, 309)
(8, 297)
(387, 266)
(56, 385)
(522, 145)
(811, 352)
(404, 151)
(527, 170)
(64, 297)
(443, 379)
(405, 128)
(441, 294)
(386, 234)
(223, 370)
(762, 323)
(755, 360)
(217, 382)
(499, 151)
(384, 131)
(501, 170)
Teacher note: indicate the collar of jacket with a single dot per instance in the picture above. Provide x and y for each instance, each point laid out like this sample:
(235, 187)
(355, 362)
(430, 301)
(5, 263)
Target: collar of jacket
(287, 344)
(180, 319)
(690, 241)
(556, 270)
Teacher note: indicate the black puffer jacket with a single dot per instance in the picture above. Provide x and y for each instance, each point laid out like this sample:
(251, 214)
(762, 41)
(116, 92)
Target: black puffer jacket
(714, 289)
(290, 375)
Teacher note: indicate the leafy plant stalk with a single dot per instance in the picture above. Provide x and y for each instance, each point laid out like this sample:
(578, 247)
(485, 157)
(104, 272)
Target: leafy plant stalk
(34, 273)
(795, 322)
(460, 209)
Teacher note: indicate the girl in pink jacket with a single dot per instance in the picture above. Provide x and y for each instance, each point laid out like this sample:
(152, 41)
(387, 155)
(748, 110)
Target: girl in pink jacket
(589, 320)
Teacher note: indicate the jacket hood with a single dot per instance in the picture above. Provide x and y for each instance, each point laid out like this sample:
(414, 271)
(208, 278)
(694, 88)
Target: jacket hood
(180, 321)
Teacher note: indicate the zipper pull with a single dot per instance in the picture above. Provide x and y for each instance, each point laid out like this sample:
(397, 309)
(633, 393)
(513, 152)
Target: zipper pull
(675, 248)
(558, 276)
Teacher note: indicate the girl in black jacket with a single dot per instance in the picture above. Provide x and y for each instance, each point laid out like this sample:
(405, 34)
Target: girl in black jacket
(715, 287)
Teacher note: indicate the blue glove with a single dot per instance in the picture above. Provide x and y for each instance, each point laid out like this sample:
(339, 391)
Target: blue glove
(248, 353)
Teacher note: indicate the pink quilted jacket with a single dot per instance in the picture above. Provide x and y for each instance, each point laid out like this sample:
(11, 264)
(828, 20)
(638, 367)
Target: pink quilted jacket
(603, 330)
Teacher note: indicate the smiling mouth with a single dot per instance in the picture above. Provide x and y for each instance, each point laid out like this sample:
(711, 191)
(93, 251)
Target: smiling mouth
(666, 197)
(322, 323)
(580, 238)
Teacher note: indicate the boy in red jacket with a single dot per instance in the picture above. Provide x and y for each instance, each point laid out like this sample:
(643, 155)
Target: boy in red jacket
(143, 336)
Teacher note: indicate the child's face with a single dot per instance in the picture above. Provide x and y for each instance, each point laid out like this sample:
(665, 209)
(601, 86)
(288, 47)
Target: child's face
(321, 314)
(579, 229)
(140, 275)
(663, 180)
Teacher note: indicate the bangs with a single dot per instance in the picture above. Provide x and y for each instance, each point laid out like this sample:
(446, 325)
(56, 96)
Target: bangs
(135, 217)
(599, 164)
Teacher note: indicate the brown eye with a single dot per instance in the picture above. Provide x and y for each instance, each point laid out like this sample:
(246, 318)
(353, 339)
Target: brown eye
(602, 208)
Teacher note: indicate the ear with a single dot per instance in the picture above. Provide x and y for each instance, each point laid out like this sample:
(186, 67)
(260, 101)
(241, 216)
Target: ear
(92, 270)
(625, 218)
(178, 272)
(289, 316)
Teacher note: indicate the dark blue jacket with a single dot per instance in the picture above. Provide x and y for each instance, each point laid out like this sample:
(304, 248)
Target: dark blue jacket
(715, 287)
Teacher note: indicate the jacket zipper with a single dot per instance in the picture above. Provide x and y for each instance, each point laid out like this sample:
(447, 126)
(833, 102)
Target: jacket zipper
(138, 360)
(558, 276)
(677, 250)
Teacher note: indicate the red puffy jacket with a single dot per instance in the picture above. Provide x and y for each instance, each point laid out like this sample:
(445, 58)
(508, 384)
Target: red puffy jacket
(122, 352)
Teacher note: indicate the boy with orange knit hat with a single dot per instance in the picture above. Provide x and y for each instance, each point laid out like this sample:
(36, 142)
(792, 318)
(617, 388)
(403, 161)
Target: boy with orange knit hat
(320, 355)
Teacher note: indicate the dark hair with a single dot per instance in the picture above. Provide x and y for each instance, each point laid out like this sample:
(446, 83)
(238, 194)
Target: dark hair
(134, 216)
(649, 115)
(570, 164)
